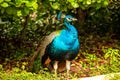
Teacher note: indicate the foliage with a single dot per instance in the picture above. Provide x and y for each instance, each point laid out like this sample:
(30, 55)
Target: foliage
(71, 4)
(15, 12)
(37, 65)
(18, 74)
(91, 58)
(116, 77)
(94, 65)
(105, 23)
(112, 54)
(1, 68)
(17, 8)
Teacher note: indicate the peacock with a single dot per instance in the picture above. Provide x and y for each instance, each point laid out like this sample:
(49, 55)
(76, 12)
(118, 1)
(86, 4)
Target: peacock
(60, 46)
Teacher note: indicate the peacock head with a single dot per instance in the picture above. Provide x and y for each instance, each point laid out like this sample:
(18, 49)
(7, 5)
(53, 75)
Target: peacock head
(67, 18)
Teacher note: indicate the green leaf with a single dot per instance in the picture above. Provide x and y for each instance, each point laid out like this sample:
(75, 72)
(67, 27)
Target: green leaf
(25, 11)
(55, 5)
(98, 1)
(75, 5)
(93, 1)
(80, 0)
(19, 13)
(83, 7)
(2, 10)
(7, 0)
(84, 3)
(71, 1)
(98, 6)
(14, 11)
(9, 10)
(88, 2)
(18, 2)
(29, 4)
(35, 5)
(4, 4)
(51, 0)
(105, 3)
(106, 56)
(1, 1)
(32, 4)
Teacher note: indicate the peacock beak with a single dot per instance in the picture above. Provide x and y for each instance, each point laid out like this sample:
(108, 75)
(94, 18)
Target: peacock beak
(74, 19)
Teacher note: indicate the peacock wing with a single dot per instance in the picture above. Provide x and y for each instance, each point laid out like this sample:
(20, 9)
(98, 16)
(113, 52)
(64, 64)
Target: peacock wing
(46, 41)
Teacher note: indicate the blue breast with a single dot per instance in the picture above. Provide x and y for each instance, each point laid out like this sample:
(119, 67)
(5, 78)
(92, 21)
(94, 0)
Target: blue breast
(65, 46)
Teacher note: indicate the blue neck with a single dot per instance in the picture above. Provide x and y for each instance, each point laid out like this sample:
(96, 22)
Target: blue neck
(67, 24)
(69, 35)
(70, 28)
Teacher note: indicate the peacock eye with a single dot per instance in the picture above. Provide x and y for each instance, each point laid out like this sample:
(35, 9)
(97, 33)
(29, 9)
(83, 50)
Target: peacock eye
(69, 19)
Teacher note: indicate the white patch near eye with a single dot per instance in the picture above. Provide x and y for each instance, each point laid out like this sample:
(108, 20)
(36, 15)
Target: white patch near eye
(69, 19)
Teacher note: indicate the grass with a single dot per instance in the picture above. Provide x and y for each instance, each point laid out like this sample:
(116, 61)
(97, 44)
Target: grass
(116, 77)
(18, 74)
(91, 65)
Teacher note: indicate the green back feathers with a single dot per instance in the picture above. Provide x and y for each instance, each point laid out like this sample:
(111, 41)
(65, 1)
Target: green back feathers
(48, 39)
(58, 32)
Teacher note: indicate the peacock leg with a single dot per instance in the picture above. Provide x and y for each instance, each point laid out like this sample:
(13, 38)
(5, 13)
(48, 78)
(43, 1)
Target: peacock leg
(68, 66)
(55, 67)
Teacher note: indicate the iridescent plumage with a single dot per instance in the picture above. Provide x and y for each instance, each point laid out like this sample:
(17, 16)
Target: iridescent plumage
(61, 46)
